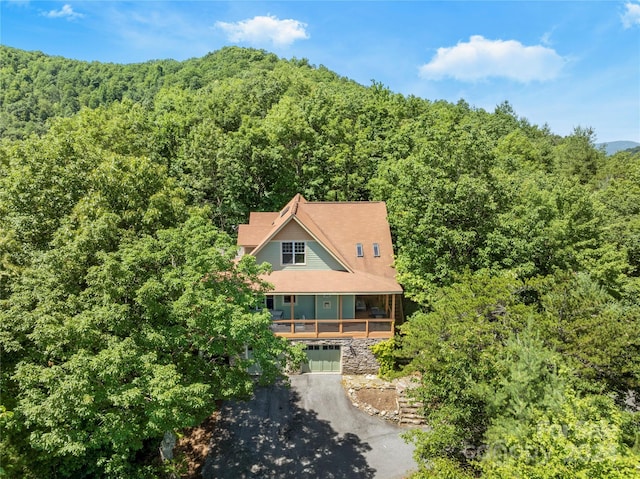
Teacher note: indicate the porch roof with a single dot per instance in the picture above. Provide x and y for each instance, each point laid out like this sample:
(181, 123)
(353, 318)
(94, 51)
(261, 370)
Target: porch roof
(330, 282)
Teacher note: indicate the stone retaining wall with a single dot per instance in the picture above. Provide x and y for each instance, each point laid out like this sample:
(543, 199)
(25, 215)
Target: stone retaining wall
(404, 411)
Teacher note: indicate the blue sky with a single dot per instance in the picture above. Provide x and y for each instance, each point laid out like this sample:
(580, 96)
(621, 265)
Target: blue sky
(565, 64)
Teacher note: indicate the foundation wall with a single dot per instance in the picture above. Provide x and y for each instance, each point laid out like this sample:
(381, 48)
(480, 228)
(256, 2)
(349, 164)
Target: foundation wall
(356, 357)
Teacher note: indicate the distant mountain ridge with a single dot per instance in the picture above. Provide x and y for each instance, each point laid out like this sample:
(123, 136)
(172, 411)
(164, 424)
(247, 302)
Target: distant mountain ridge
(37, 87)
(612, 147)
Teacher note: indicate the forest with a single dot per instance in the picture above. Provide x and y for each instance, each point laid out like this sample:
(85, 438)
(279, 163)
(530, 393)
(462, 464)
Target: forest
(123, 314)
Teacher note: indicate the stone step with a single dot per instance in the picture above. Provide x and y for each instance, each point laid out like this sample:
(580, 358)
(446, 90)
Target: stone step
(408, 398)
(407, 410)
(411, 416)
(416, 422)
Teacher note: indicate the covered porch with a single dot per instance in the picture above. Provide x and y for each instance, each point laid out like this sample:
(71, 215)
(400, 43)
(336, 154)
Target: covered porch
(334, 316)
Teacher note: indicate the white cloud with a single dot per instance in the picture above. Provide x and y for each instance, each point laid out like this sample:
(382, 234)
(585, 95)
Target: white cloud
(481, 58)
(631, 16)
(261, 29)
(65, 12)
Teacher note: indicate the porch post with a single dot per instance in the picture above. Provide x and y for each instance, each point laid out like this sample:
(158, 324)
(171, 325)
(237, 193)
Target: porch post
(393, 307)
(386, 303)
(340, 313)
(393, 314)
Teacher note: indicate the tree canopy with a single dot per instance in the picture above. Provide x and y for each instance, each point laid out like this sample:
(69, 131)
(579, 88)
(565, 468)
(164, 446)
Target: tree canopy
(123, 314)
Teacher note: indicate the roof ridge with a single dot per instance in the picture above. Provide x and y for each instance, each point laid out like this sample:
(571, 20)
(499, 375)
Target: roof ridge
(324, 240)
(296, 202)
(358, 202)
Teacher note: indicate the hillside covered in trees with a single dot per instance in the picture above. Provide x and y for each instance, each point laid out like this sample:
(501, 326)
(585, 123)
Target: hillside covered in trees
(123, 314)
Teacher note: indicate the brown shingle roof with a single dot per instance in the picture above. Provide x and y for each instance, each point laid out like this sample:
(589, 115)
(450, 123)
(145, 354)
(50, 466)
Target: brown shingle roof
(329, 282)
(338, 226)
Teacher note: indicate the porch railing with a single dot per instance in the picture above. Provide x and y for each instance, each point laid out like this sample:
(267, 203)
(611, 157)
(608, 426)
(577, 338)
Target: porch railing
(332, 328)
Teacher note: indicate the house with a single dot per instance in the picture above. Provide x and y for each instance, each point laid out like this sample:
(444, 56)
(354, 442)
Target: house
(334, 286)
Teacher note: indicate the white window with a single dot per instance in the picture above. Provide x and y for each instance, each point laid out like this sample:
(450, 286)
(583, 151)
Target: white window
(359, 250)
(293, 252)
(288, 299)
(376, 250)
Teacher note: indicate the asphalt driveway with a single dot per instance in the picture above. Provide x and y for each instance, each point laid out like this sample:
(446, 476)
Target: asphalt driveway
(310, 430)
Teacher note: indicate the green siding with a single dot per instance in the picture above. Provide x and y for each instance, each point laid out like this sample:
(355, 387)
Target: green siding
(270, 254)
(331, 312)
(317, 257)
(348, 307)
(308, 305)
(304, 307)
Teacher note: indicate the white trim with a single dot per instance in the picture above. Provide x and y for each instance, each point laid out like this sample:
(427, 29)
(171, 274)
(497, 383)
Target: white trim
(293, 253)
(268, 239)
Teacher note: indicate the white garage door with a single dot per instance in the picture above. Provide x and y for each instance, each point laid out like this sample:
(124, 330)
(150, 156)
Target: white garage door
(322, 359)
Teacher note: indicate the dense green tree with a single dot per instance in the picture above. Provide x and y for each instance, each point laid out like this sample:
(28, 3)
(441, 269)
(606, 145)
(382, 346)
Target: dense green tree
(41, 179)
(37, 87)
(148, 346)
(542, 429)
(501, 378)
(454, 347)
(114, 179)
(577, 156)
(128, 318)
(499, 357)
(449, 218)
(596, 334)
(618, 189)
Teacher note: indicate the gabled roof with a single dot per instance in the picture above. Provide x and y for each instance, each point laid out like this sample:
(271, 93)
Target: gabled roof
(253, 233)
(338, 226)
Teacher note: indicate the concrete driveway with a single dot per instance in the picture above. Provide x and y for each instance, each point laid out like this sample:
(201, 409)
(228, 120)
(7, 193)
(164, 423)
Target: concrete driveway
(310, 430)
